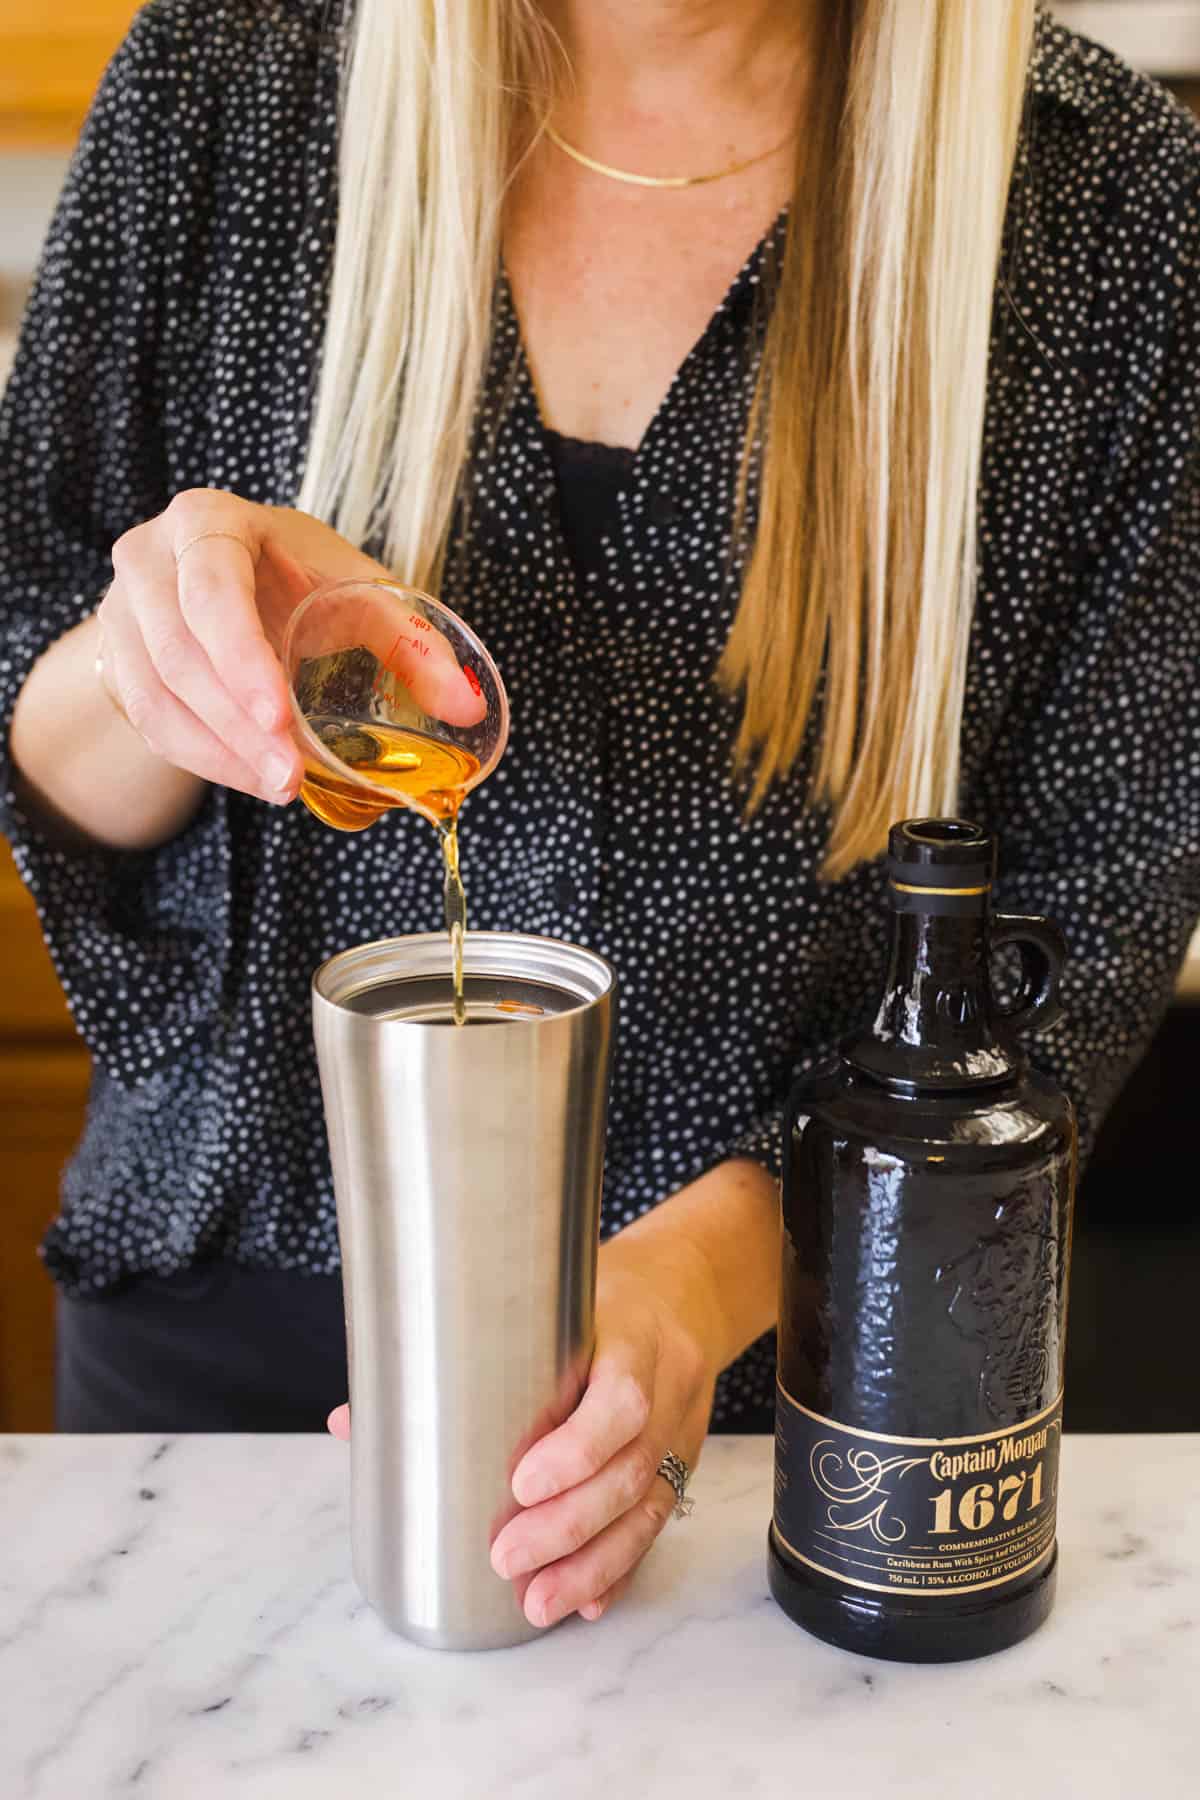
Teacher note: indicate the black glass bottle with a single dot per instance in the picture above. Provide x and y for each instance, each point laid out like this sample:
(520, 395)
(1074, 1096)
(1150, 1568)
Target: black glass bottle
(927, 1197)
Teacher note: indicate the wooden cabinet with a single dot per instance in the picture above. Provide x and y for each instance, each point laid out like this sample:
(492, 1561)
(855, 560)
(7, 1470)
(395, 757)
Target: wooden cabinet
(44, 1072)
(51, 57)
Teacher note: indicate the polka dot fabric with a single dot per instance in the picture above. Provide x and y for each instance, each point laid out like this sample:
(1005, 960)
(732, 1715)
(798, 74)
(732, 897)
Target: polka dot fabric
(172, 342)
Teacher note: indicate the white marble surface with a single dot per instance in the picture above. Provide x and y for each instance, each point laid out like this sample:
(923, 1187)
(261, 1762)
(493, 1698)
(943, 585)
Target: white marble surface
(178, 1619)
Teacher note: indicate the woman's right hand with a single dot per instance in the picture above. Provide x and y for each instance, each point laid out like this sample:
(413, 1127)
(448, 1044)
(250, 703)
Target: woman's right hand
(190, 627)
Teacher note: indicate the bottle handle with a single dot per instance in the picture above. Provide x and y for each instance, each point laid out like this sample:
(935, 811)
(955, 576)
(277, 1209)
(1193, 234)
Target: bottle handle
(1043, 952)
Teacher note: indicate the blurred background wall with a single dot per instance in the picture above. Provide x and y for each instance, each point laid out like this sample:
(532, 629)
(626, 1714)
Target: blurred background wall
(1137, 1262)
(51, 55)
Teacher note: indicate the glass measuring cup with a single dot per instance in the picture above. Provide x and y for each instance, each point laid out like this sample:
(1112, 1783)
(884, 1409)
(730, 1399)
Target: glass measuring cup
(395, 702)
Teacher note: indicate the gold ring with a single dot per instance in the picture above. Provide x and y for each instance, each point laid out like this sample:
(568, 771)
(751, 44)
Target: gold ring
(200, 537)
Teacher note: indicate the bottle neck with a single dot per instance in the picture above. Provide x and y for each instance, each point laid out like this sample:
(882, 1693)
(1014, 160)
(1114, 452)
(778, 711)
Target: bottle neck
(937, 988)
(936, 1026)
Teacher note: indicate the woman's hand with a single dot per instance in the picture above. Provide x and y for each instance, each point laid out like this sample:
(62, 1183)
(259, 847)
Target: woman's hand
(680, 1294)
(189, 630)
(594, 1502)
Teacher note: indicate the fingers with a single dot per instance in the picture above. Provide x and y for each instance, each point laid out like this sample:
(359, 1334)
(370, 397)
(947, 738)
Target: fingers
(595, 1570)
(562, 1525)
(614, 1411)
(423, 661)
(196, 675)
(165, 724)
(190, 702)
(593, 1501)
(281, 583)
(601, 1504)
(217, 602)
(595, 1609)
(338, 1423)
(445, 692)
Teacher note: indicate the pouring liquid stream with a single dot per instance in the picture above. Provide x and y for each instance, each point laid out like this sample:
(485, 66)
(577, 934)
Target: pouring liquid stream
(454, 899)
(403, 765)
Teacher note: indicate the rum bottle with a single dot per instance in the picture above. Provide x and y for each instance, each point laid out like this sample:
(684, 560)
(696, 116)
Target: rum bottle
(927, 1201)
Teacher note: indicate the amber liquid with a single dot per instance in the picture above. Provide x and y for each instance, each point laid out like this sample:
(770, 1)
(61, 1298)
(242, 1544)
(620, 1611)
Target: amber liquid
(404, 766)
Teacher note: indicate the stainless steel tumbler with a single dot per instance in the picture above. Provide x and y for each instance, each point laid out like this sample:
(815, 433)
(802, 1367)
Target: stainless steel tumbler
(467, 1163)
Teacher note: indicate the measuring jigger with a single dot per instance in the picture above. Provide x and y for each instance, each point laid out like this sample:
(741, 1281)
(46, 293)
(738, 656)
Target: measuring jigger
(467, 1165)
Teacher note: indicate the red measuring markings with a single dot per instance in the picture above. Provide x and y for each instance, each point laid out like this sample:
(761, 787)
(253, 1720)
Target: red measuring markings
(381, 675)
(420, 623)
(472, 679)
(402, 638)
(417, 649)
(384, 670)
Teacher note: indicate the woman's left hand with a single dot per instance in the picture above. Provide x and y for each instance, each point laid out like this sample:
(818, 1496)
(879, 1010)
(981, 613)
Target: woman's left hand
(680, 1293)
(592, 1498)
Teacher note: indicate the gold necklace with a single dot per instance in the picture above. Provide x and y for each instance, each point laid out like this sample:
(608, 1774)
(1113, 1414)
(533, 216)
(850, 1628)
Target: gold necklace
(661, 181)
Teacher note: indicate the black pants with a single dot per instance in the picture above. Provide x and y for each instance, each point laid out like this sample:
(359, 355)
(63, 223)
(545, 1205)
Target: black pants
(216, 1348)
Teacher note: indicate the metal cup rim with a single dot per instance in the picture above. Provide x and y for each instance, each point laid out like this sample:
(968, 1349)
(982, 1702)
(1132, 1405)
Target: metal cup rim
(560, 960)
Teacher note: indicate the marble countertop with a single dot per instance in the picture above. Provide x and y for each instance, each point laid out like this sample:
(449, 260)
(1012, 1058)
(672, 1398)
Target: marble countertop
(178, 1620)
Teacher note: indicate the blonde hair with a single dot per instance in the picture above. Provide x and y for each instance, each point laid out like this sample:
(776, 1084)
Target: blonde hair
(859, 590)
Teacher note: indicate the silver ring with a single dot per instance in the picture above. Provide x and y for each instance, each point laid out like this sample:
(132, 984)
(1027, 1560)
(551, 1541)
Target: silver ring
(676, 1473)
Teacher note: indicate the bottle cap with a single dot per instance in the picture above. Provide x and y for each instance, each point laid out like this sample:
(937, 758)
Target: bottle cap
(941, 856)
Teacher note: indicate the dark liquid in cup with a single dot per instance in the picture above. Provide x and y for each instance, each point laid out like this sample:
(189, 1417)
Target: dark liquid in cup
(487, 1000)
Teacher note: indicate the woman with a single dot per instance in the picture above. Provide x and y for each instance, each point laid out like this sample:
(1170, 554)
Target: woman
(851, 477)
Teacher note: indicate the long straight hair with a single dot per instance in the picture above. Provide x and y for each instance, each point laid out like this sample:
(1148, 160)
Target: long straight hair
(858, 593)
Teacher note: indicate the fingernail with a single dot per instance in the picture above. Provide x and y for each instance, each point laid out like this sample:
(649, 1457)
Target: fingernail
(278, 771)
(541, 1613)
(530, 1489)
(264, 712)
(516, 1562)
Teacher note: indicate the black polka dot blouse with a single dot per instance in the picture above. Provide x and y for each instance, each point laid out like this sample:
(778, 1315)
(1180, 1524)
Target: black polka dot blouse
(172, 341)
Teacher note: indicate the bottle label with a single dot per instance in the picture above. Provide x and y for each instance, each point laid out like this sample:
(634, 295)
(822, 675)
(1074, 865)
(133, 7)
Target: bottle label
(916, 1515)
